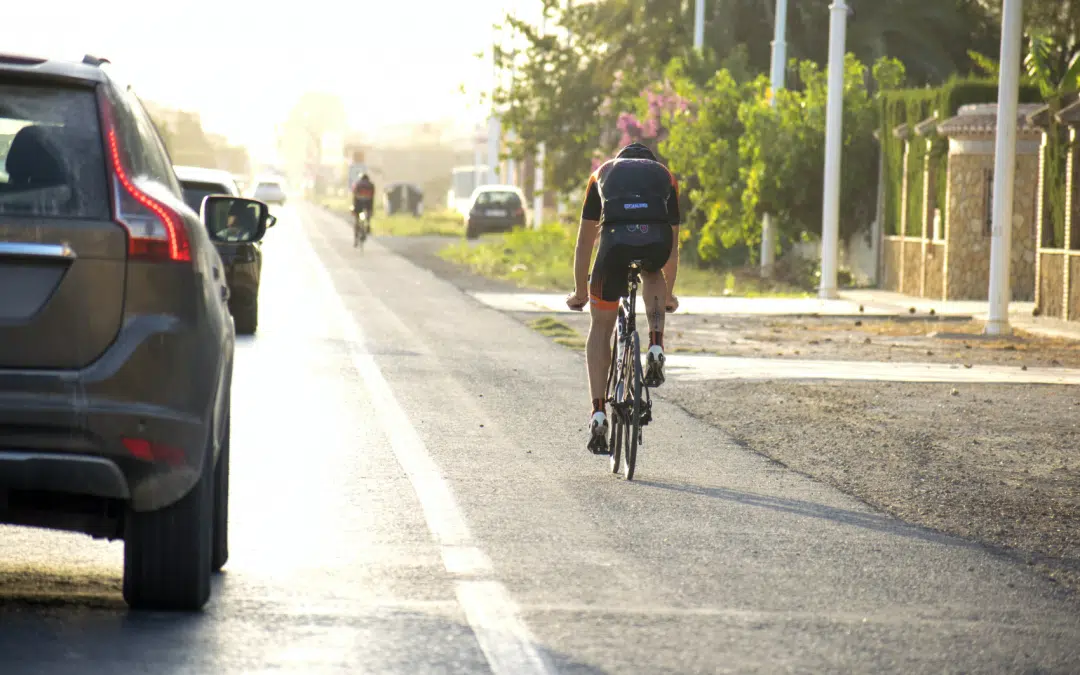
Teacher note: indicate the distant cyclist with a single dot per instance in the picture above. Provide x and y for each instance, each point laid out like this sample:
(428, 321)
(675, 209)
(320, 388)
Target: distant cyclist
(363, 191)
(632, 207)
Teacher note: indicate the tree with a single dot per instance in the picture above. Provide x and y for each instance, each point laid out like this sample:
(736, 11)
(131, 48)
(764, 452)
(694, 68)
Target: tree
(1057, 25)
(189, 144)
(567, 88)
(749, 157)
(312, 116)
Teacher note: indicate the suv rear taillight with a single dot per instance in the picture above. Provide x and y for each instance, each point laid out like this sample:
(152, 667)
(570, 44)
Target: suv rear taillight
(155, 232)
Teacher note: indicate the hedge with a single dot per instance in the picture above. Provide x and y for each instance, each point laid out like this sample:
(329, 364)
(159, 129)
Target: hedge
(912, 106)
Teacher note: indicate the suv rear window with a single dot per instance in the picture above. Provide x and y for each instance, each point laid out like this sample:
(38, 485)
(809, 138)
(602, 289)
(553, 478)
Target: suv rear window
(51, 158)
(195, 192)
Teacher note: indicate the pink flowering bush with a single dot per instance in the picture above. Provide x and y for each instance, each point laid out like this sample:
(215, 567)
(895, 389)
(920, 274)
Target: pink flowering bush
(656, 107)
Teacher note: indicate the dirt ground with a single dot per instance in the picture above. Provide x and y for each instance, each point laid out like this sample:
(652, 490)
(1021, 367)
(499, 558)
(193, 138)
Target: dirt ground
(866, 339)
(997, 464)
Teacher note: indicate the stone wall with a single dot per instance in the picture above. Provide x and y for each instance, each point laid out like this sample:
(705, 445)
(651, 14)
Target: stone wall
(891, 260)
(968, 270)
(1024, 228)
(912, 266)
(935, 271)
(1051, 283)
(1074, 287)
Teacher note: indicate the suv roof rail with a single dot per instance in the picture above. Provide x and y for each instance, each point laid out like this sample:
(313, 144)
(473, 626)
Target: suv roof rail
(21, 60)
(92, 60)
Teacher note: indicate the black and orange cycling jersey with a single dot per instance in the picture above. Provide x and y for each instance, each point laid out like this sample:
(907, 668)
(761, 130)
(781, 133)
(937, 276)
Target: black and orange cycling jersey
(363, 189)
(632, 191)
(636, 202)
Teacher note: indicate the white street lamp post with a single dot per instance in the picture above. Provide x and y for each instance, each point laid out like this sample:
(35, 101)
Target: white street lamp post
(538, 188)
(494, 131)
(1004, 167)
(538, 168)
(834, 143)
(779, 65)
(699, 24)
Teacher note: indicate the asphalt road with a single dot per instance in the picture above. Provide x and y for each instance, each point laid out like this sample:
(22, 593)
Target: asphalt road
(411, 494)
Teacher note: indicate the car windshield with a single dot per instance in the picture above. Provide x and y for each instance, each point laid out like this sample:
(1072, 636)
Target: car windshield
(195, 192)
(505, 200)
(51, 158)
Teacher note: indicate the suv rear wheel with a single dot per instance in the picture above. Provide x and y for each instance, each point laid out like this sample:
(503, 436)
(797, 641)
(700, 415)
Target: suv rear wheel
(220, 545)
(167, 553)
(247, 319)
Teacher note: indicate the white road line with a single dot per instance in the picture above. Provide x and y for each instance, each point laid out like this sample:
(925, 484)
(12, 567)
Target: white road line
(492, 614)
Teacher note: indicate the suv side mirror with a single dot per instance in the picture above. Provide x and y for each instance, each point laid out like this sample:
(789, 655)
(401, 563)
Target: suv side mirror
(235, 219)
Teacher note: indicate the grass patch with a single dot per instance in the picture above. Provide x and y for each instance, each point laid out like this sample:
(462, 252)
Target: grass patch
(440, 223)
(558, 331)
(543, 259)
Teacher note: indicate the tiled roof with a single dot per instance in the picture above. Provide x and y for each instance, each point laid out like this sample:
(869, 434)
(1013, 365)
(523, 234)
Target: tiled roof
(981, 118)
(927, 126)
(1071, 114)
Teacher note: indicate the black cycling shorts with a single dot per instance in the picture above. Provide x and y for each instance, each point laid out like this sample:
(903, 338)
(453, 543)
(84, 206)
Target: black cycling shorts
(620, 245)
(360, 204)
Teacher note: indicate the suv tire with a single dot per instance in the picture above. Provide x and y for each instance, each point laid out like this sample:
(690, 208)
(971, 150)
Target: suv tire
(247, 319)
(167, 552)
(219, 553)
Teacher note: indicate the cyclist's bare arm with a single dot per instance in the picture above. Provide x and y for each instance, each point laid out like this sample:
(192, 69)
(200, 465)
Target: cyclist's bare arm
(671, 267)
(588, 234)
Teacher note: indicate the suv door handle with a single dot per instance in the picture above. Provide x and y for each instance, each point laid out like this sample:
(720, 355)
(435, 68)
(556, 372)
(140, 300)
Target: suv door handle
(217, 273)
(224, 292)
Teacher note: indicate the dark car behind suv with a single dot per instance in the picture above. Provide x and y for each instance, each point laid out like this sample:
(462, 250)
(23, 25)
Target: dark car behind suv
(116, 344)
(242, 259)
(495, 208)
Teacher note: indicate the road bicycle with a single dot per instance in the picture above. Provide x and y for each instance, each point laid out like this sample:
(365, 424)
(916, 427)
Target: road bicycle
(361, 228)
(629, 398)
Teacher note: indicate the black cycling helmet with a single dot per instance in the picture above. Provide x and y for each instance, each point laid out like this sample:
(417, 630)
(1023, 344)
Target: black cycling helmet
(636, 151)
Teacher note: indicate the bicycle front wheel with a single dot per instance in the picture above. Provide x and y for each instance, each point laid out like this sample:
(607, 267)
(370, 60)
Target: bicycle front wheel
(633, 423)
(615, 442)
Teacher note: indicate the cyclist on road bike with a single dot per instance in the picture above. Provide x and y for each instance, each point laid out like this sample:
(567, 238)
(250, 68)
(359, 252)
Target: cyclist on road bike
(632, 208)
(363, 191)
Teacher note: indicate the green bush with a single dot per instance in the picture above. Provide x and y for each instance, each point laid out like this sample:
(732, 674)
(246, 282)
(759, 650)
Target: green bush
(749, 155)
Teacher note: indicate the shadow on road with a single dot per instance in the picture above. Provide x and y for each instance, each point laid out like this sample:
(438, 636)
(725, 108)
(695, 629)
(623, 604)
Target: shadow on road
(65, 623)
(862, 519)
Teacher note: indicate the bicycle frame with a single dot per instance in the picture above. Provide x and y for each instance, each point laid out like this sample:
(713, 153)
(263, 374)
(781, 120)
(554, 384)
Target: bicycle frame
(625, 336)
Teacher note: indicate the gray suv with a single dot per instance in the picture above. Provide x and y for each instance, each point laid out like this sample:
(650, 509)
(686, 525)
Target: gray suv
(116, 343)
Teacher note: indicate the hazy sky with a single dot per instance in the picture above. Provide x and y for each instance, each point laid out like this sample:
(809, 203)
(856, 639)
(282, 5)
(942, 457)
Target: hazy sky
(242, 64)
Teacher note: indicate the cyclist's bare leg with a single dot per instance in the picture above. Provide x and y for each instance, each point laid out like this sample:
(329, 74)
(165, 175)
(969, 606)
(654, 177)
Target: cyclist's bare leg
(598, 361)
(654, 293)
(598, 350)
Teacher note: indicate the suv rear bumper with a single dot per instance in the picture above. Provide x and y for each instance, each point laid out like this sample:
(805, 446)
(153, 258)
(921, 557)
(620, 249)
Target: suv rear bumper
(61, 472)
(132, 426)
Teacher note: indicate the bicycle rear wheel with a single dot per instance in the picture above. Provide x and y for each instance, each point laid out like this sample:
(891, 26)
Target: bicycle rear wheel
(633, 413)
